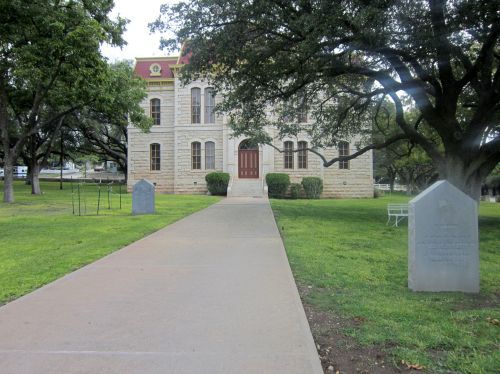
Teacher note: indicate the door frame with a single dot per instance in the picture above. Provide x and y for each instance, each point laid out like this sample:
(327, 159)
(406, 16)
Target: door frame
(246, 147)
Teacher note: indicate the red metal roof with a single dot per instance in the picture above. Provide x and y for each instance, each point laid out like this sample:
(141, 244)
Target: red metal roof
(184, 58)
(143, 67)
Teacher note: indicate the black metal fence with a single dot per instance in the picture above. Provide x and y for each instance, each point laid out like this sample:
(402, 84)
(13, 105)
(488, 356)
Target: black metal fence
(96, 198)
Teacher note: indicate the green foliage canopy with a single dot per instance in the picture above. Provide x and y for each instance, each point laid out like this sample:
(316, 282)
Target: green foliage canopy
(349, 59)
(102, 125)
(50, 65)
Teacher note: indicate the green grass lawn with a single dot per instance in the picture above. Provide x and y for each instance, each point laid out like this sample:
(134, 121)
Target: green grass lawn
(41, 239)
(357, 267)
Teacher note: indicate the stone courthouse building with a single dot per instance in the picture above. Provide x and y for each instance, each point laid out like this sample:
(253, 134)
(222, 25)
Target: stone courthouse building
(187, 141)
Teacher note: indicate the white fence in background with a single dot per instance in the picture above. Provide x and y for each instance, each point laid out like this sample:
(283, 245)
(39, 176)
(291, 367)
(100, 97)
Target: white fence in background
(387, 187)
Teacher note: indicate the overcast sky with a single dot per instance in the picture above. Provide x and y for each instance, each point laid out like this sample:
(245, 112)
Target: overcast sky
(140, 42)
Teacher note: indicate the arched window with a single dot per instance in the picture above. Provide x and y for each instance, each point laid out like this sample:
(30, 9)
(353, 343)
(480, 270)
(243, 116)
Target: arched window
(295, 110)
(288, 155)
(209, 105)
(209, 155)
(155, 111)
(195, 155)
(302, 110)
(343, 151)
(154, 156)
(247, 144)
(302, 155)
(195, 105)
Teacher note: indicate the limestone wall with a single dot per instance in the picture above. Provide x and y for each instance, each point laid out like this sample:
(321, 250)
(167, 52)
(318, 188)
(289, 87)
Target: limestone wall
(176, 133)
(314, 164)
(188, 180)
(139, 144)
(357, 181)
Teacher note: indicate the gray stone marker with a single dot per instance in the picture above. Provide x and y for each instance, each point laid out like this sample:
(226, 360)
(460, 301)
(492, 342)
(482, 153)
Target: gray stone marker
(143, 197)
(443, 240)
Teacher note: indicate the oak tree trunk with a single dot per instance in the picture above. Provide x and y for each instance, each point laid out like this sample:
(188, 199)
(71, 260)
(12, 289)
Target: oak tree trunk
(35, 179)
(391, 173)
(8, 181)
(456, 171)
(8, 178)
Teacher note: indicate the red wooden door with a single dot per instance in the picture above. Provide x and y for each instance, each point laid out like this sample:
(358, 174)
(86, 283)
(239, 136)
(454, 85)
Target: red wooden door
(248, 163)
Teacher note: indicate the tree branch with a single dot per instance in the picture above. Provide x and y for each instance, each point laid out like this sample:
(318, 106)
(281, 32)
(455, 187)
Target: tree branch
(442, 45)
(363, 150)
(487, 48)
(413, 134)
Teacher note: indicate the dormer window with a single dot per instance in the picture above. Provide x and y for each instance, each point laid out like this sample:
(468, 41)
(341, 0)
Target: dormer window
(155, 70)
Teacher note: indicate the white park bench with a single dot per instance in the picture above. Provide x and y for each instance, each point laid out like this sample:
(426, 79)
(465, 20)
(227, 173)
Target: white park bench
(398, 211)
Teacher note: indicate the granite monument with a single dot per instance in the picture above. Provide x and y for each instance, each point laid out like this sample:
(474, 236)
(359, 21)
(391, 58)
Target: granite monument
(143, 197)
(443, 240)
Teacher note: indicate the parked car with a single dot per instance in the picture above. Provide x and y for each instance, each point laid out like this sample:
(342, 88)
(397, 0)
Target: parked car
(20, 171)
(99, 167)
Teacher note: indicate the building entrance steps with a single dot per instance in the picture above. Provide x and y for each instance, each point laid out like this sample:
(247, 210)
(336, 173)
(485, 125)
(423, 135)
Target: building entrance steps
(247, 188)
(212, 293)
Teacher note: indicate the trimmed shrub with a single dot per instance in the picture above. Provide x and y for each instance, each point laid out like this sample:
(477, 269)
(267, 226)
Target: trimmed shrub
(377, 193)
(217, 182)
(491, 186)
(313, 187)
(277, 184)
(295, 190)
(493, 181)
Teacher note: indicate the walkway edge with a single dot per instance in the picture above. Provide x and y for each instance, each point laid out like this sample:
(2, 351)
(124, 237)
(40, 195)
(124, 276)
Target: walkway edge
(305, 324)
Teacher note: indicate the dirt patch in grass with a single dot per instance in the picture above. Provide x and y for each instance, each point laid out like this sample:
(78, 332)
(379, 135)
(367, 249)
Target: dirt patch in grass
(341, 353)
(479, 301)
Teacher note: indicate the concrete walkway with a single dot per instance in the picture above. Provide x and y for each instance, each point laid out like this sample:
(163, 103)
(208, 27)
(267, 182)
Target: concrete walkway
(212, 293)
